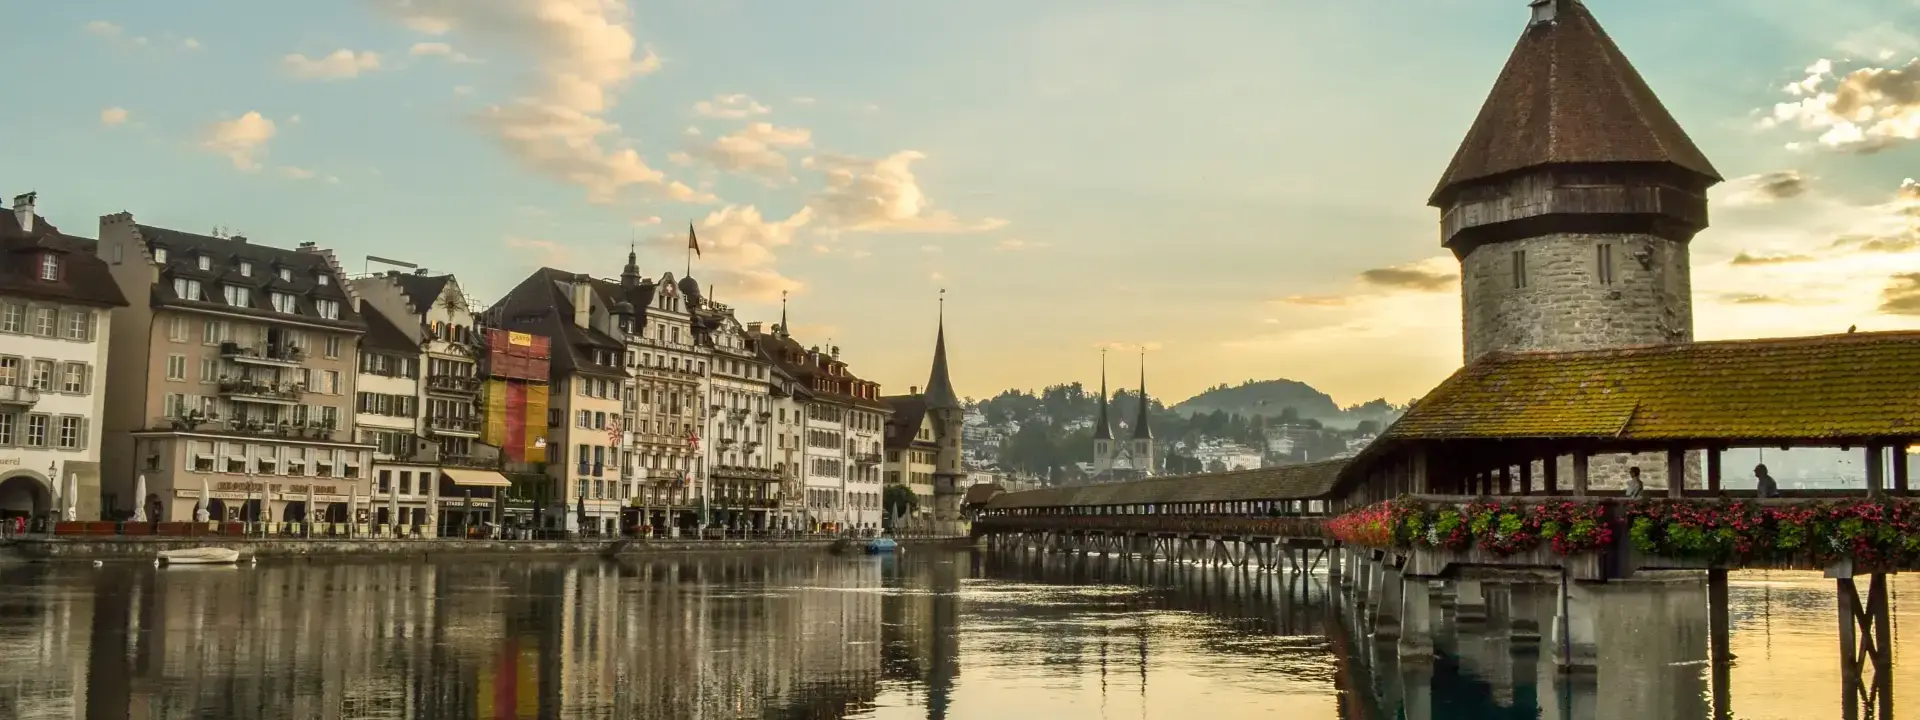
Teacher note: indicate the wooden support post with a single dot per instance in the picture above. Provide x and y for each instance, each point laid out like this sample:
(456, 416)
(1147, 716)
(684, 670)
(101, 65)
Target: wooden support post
(1713, 470)
(1552, 471)
(1848, 599)
(1506, 478)
(1526, 477)
(1676, 472)
(1900, 468)
(1876, 471)
(1720, 655)
(1580, 473)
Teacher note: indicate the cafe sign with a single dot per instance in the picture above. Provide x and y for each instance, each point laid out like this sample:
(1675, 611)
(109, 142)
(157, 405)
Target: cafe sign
(283, 488)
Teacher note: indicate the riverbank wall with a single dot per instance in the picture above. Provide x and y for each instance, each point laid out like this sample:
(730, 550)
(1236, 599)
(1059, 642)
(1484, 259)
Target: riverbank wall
(122, 548)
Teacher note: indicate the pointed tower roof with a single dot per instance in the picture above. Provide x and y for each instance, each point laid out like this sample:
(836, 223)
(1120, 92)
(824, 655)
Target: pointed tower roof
(939, 386)
(1568, 96)
(784, 331)
(630, 275)
(1141, 430)
(1102, 425)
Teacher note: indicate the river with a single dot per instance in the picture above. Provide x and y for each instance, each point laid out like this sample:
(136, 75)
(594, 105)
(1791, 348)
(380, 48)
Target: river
(926, 635)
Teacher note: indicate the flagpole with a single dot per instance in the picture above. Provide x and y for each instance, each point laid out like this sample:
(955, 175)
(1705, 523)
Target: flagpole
(690, 242)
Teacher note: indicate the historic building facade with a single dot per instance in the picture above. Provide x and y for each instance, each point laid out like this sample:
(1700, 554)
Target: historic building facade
(56, 310)
(1127, 458)
(745, 488)
(232, 374)
(1570, 205)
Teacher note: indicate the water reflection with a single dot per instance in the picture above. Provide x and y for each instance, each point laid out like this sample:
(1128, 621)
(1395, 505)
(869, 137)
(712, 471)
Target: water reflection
(927, 635)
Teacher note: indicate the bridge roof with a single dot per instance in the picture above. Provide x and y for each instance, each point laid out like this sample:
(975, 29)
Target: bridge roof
(1290, 482)
(1822, 389)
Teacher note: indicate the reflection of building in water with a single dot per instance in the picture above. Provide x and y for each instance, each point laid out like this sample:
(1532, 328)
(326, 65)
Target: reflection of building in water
(920, 630)
(716, 637)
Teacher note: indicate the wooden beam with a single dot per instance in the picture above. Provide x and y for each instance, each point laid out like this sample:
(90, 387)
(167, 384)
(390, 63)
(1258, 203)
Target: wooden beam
(1506, 478)
(1900, 468)
(1580, 458)
(1551, 483)
(1526, 477)
(1876, 471)
(1713, 470)
(1676, 472)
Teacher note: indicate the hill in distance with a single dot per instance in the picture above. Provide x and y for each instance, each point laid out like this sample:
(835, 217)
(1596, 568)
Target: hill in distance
(1282, 397)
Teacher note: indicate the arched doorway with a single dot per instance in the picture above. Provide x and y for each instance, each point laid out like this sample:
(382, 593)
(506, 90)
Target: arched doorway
(23, 493)
(217, 510)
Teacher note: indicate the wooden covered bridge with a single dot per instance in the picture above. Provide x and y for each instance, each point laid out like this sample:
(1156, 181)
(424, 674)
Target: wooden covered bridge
(1492, 483)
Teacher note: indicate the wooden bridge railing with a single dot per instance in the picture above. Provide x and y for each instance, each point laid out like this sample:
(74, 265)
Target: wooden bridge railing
(1287, 527)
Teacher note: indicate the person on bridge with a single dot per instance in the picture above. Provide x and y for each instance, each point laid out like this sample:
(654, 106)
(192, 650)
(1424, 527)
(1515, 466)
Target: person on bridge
(1634, 486)
(1768, 488)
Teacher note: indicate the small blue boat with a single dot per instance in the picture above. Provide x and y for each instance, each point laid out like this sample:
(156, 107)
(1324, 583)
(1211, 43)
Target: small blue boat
(881, 546)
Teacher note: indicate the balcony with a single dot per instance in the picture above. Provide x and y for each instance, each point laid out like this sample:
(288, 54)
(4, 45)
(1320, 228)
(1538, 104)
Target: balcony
(261, 392)
(470, 461)
(454, 384)
(741, 472)
(867, 458)
(18, 396)
(764, 416)
(270, 429)
(468, 425)
(269, 355)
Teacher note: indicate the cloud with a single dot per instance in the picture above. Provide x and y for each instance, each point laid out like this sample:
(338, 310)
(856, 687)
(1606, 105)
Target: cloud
(295, 173)
(682, 192)
(804, 100)
(1753, 299)
(929, 248)
(102, 28)
(242, 139)
(439, 49)
(1121, 346)
(1011, 245)
(1902, 295)
(1315, 300)
(646, 221)
(190, 44)
(882, 195)
(1432, 275)
(754, 149)
(113, 116)
(1747, 258)
(1862, 111)
(338, 65)
(1765, 188)
(549, 253)
(730, 107)
(581, 53)
(738, 250)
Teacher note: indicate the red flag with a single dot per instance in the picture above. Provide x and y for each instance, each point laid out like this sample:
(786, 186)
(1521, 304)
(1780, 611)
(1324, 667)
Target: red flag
(693, 241)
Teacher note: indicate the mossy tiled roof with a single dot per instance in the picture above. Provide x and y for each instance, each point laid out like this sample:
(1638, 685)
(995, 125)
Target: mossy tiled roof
(1824, 388)
(1290, 482)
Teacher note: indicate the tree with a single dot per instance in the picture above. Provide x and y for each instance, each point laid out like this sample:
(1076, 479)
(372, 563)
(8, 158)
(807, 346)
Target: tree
(1367, 427)
(899, 501)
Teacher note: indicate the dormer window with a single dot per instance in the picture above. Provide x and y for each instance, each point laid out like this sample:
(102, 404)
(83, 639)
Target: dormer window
(323, 279)
(160, 255)
(49, 267)
(239, 297)
(246, 269)
(186, 289)
(328, 309)
(285, 303)
(206, 262)
(286, 274)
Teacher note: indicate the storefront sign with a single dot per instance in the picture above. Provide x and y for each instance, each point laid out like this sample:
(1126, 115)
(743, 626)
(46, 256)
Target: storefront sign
(519, 338)
(9, 462)
(254, 487)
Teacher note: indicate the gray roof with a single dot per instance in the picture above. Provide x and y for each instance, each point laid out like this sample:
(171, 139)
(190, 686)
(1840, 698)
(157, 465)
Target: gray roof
(1289, 482)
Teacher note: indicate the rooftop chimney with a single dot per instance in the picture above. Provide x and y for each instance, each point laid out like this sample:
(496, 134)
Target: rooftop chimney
(23, 211)
(913, 389)
(582, 302)
(1544, 11)
(753, 327)
(420, 271)
(242, 239)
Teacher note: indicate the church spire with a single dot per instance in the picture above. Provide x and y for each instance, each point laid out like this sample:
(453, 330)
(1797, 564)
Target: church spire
(784, 332)
(1140, 429)
(940, 394)
(1103, 427)
(630, 275)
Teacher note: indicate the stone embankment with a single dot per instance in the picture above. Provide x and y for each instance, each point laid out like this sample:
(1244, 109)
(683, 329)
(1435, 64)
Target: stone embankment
(121, 548)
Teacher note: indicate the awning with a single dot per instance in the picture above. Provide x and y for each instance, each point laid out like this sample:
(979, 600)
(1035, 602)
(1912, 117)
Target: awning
(476, 478)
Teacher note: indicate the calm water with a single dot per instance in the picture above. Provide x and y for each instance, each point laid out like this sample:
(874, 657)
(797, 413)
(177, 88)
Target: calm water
(927, 635)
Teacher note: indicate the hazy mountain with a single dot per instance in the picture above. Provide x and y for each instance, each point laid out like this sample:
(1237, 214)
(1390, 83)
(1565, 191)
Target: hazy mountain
(1285, 399)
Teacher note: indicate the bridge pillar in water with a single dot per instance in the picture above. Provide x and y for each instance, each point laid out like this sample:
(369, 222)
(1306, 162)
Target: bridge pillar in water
(1376, 585)
(1416, 621)
(1525, 603)
(1575, 640)
(1362, 592)
(1567, 697)
(1386, 615)
(1469, 604)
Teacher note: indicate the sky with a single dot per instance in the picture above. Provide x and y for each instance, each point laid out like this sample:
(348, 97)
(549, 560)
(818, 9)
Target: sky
(1235, 188)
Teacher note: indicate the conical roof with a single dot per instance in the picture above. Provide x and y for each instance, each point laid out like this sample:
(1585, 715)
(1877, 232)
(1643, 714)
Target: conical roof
(940, 395)
(1103, 425)
(1141, 429)
(1569, 96)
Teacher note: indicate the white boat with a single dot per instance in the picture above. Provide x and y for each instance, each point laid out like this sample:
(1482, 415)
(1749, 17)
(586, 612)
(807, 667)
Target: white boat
(200, 556)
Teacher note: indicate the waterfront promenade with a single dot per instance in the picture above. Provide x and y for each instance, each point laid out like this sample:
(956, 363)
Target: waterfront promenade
(32, 549)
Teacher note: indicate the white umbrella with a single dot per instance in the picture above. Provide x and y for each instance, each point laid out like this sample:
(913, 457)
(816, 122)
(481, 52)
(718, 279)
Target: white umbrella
(393, 508)
(73, 496)
(310, 513)
(57, 491)
(140, 499)
(203, 513)
(353, 509)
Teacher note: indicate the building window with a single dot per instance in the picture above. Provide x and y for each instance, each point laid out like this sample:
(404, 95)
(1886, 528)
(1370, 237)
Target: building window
(1603, 263)
(42, 378)
(239, 296)
(46, 321)
(286, 274)
(333, 346)
(283, 302)
(80, 325)
(205, 262)
(160, 255)
(1519, 269)
(9, 425)
(246, 269)
(13, 318)
(323, 279)
(328, 309)
(70, 431)
(186, 289)
(214, 332)
(37, 430)
(176, 367)
(49, 266)
(74, 379)
(178, 328)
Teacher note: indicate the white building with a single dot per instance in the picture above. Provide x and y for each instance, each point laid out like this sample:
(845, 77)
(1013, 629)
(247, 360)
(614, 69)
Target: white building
(745, 490)
(56, 303)
(1230, 456)
(840, 439)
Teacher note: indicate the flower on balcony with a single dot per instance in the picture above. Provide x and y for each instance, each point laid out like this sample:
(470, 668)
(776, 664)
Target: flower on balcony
(1719, 531)
(1501, 529)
